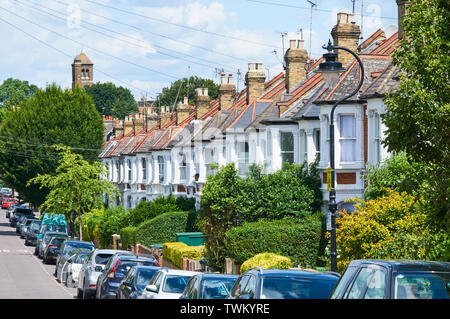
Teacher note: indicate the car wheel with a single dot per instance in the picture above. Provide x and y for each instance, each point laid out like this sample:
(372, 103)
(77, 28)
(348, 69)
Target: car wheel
(79, 293)
(44, 260)
(69, 281)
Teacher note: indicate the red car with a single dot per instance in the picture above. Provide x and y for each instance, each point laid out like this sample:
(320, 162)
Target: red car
(8, 202)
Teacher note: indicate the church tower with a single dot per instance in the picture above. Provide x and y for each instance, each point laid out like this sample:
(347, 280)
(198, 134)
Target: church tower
(82, 71)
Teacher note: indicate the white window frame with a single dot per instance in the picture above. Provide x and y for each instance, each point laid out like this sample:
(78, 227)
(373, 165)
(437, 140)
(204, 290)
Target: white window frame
(346, 139)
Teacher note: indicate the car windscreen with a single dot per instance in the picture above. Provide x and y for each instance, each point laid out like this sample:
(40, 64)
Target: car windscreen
(23, 211)
(102, 259)
(57, 228)
(277, 287)
(48, 237)
(81, 258)
(57, 241)
(217, 288)
(125, 265)
(71, 247)
(422, 285)
(175, 284)
(144, 277)
(35, 226)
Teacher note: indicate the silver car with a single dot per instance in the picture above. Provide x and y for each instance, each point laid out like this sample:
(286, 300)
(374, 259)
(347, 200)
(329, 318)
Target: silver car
(91, 269)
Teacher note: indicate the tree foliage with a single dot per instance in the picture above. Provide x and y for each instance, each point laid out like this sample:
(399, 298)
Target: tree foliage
(229, 200)
(51, 116)
(13, 92)
(398, 173)
(186, 86)
(77, 186)
(112, 100)
(390, 227)
(418, 114)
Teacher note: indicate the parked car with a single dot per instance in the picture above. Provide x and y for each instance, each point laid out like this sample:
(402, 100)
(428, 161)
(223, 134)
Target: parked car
(74, 264)
(115, 270)
(19, 222)
(6, 202)
(134, 283)
(50, 222)
(257, 283)
(9, 210)
(69, 248)
(46, 239)
(91, 270)
(5, 192)
(167, 284)
(24, 229)
(32, 234)
(394, 279)
(52, 249)
(209, 286)
(17, 212)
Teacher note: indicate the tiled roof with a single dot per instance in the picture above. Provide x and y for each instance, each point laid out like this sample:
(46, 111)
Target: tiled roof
(349, 80)
(386, 83)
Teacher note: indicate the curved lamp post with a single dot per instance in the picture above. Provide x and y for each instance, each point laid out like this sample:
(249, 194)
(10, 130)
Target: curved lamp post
(330, 70)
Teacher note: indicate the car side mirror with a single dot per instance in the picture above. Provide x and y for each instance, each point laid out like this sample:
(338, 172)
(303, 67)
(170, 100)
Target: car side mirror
(98, 268)
(126, 283)
(151, 288)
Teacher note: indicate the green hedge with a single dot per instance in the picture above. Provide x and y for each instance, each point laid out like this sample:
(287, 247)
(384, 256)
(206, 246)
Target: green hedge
(299, 239)
(267, 261)
(128, 236)
(163, 228)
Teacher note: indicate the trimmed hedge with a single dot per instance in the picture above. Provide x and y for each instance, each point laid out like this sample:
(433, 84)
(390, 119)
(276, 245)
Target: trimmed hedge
(163, 228)
(168, 249)
(128, 236)
(267, 261)
(299, 239)
(191, 252)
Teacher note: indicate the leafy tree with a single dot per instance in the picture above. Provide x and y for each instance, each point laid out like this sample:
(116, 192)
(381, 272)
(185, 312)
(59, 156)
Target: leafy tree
(76, 187)
(418, 114)
(50, 116)
(12, 92)
(112, 100)
(398, 173)
(188, 85)
(390, 227)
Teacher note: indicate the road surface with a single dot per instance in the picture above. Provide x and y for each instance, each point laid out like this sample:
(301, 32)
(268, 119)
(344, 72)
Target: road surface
(23, 275)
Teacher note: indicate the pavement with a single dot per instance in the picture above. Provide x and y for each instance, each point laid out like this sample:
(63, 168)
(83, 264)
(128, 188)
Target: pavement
(23, 275)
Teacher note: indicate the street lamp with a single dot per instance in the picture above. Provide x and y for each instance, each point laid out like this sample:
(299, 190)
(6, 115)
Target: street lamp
(330, 70)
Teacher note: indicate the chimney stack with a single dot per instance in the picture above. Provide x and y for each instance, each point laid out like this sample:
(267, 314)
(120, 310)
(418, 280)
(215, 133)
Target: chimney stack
(227, 91)
(346, 34)
(296, 58)
(183, 110)
(127, 125)
(138, 124)
(151, 118)
(202, 100)
(118, 128)
(165, 116)
(401, 5)
(254, 80)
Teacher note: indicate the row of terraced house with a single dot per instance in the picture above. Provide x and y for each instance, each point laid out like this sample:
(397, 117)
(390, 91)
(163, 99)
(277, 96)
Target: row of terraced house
(285, 119)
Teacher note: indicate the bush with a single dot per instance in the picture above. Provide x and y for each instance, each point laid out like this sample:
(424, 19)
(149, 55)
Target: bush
(128, 236)
(299, 239)
(390, 227)
(267, 261)
(168, 249)
(148, 210)
(164, 227)
(192, 252)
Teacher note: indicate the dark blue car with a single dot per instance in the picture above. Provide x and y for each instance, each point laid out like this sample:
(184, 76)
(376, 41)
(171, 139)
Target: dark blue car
(135, 281)
(257, 283)
(209, 286)
(115, 271)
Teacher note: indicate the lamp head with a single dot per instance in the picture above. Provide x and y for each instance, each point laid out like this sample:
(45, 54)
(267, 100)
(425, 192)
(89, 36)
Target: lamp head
(330, 68)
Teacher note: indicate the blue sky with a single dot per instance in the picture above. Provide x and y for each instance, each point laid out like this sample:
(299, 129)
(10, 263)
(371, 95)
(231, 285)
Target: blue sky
(145, 45)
